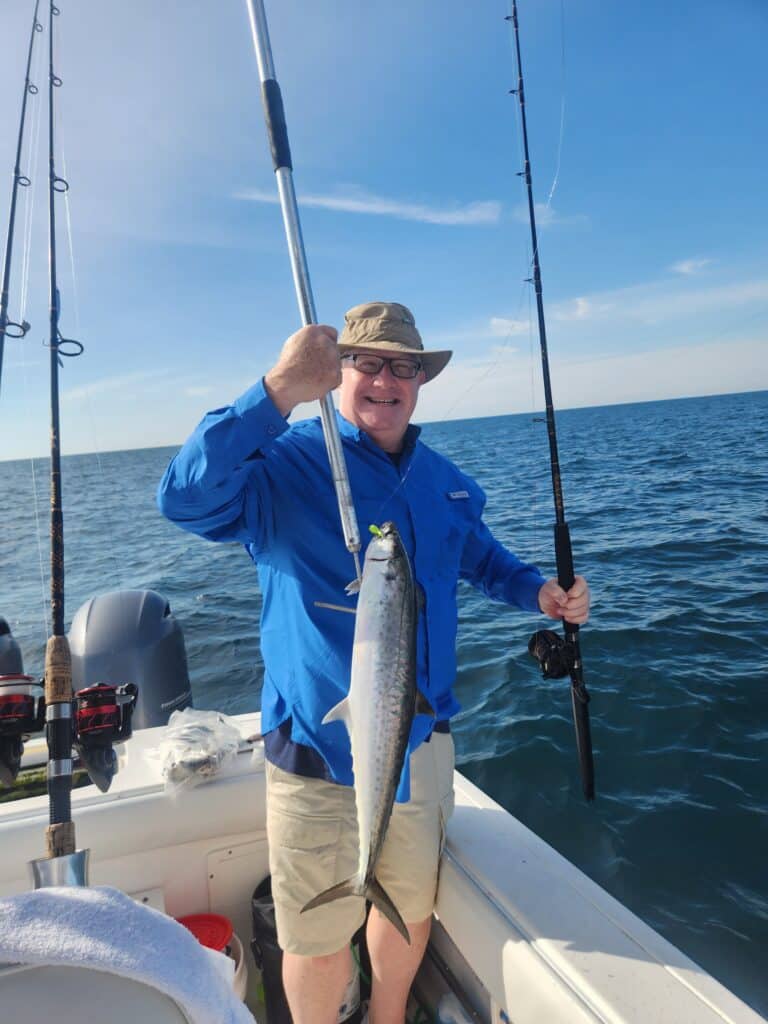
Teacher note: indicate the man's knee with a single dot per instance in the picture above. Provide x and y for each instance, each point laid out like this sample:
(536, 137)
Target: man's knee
(322, 962)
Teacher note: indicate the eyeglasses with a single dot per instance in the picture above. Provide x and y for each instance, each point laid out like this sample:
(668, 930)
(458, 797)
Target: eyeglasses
(405, 369)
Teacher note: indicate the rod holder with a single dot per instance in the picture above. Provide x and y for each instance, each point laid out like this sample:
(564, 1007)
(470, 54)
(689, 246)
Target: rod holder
(69, 870)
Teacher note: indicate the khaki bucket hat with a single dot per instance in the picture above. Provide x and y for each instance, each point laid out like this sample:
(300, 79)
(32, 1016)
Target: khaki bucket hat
(390, 327)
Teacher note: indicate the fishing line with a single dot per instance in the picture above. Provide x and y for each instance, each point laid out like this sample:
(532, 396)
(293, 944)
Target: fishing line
(38, 536)
(531, 259)
(32, 160)
(562, 105)
(33, 155)
(108, 520)
(12, 328)
(483, 374)
(536, 503)
(70, 244)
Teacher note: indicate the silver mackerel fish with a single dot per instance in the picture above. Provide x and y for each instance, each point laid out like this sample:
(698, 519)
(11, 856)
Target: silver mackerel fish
(379, 709)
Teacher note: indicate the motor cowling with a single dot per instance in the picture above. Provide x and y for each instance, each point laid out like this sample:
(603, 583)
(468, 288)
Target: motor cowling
(11, 663)
(131, 637)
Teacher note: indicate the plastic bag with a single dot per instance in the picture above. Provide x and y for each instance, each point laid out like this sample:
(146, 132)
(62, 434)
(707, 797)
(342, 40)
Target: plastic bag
(196, 745)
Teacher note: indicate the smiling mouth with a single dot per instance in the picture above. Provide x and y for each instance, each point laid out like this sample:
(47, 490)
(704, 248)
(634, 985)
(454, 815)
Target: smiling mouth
(383, 401)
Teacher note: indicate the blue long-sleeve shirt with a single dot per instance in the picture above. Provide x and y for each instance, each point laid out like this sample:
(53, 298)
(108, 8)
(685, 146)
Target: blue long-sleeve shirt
(246, 475)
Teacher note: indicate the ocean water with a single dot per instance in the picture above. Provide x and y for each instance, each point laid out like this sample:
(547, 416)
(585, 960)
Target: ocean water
(667, 504)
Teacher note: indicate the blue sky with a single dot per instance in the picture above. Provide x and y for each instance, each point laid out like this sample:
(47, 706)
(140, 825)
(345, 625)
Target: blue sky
(649, 121)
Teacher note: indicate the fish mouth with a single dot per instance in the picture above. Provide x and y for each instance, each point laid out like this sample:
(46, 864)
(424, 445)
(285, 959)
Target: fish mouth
(386, 532)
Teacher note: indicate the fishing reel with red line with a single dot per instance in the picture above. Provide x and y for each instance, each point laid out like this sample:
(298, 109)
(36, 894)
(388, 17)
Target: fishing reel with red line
(22, 711)
(102, 717)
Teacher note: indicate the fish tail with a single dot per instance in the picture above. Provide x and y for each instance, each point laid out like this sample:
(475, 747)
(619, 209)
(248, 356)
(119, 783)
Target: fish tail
(376, 893)
(349, 887)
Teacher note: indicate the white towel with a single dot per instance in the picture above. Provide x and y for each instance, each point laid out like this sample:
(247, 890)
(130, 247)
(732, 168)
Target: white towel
(105, 930)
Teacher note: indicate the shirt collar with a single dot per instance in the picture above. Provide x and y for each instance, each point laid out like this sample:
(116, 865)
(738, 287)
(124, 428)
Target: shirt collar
(355, 433)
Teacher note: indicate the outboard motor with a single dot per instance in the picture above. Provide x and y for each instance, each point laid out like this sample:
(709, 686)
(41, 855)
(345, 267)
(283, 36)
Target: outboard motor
(130, 637)
(11, 663)
(22, 708)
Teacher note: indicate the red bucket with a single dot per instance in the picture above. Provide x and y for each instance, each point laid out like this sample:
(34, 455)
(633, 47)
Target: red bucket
(211, 930)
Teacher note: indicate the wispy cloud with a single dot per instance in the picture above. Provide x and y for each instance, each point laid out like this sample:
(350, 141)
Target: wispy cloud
(655, 302)
(491, 386)
(547, 216)
(651, 304)
(480, 330)
(579, 308)
(358, 201)
(125, 383)
(620, 313)
(502, 326)
(199, 391)
(689, 267)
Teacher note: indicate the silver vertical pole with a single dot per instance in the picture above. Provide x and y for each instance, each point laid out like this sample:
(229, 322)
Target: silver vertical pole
(281, 159)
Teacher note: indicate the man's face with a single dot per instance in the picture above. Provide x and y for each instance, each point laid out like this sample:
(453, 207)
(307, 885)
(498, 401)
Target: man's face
(380, 404)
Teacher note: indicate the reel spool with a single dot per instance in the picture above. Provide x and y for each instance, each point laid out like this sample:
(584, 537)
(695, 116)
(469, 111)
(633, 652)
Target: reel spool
(102, 717)
(22, 711)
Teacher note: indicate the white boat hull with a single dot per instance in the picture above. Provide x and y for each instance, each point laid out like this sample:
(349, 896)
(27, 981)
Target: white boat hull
(524, 932)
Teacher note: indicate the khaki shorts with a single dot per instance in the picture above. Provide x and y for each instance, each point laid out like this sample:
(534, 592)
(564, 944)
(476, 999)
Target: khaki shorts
(312, 832)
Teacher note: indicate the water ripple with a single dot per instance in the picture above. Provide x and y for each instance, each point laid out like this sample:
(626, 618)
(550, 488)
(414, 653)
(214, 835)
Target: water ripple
(668, 513)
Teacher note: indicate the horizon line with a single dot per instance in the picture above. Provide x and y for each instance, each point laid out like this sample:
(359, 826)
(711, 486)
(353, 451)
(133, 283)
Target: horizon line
(428, 423)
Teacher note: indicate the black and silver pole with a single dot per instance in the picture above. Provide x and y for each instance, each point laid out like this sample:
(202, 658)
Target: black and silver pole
(9, 328)
(63, 864)
(281, 159)
(563, 552)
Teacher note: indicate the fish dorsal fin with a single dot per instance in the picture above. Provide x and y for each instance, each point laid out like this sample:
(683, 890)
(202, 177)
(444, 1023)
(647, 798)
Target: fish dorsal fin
(339, 713)
(423, 707)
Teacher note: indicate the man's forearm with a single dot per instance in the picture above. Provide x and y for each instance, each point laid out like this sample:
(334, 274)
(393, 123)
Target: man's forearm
(203, 488)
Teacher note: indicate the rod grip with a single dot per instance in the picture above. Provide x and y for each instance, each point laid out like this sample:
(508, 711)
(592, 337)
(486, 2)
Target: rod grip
(274, 115)
(60, 839)
(564, 556)
(58, 670)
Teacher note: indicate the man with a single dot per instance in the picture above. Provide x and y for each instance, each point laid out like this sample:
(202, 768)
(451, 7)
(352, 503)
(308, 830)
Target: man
(245, 475)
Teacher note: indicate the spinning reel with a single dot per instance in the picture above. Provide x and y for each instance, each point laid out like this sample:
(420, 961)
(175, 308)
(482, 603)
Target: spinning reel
(102, 716)
(22, 711)
(555, 655)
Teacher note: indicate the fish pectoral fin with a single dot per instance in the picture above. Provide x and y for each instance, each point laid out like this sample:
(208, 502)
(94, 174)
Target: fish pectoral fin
(423, 707)
(349, 887)
(353, 587)
(339, 713)
(376, 894)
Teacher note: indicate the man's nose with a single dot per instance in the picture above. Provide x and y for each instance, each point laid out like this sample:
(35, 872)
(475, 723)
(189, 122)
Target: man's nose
(386, 368)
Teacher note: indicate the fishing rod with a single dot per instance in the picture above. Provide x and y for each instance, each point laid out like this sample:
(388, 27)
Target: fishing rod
(558, 657)
(63, 864)
(277, 131)
(9, 328)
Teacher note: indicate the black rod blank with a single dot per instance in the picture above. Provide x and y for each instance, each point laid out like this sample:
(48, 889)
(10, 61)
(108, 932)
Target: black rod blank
(60, 834)
(9, 328)
(563, 554)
